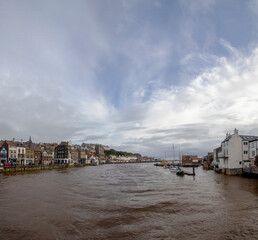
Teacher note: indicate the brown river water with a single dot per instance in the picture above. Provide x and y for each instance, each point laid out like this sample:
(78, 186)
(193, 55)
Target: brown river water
(127, 201)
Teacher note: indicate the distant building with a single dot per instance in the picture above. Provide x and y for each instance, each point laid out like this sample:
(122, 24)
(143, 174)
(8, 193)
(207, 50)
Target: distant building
(189, 159)
(99, 150)
(106, 148)
(207, 161)
(89, 147)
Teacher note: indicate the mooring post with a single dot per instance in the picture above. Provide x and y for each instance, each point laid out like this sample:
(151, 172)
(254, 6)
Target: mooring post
(193, 171)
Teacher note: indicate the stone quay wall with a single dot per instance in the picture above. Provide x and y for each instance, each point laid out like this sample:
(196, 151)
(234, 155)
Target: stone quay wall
(37, 168)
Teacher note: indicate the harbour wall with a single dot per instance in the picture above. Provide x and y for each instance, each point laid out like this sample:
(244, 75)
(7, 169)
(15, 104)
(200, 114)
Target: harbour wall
(37, 168)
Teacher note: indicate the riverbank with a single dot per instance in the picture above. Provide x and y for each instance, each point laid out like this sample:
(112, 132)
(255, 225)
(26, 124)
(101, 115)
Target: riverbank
(28, 168)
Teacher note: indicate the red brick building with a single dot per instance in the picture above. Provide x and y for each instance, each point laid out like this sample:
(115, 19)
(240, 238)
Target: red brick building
(189, 159)
(37, 154)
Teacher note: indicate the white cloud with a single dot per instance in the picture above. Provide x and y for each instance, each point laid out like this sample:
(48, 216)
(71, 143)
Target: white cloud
(217, 101)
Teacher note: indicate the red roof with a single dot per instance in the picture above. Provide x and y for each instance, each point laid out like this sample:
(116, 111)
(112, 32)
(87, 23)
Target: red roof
(11, 143)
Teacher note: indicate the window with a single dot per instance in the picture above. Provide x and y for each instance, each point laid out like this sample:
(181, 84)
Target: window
(240, 162)
(245, 152)
(245, 143)
(253, 153)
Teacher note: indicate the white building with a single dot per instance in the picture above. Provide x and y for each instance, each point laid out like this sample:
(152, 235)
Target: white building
(253, 152)
(94, 160)
(235, 153)
(20, 152)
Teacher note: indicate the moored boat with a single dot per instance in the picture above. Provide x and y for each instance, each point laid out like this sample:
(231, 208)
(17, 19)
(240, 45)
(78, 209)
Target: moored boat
(180, 172)
(161, 164)
(173, 169)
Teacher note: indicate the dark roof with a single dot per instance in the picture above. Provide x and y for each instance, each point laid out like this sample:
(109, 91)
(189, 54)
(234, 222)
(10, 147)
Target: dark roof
(248, 138)
(244, 137)
(227, 138)
(19, 144)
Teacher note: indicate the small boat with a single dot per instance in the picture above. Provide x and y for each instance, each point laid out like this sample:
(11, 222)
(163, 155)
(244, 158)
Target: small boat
(173, 169)
(180, 172)
(161, 164)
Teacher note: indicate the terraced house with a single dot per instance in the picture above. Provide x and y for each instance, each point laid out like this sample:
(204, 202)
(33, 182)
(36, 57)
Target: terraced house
(37, 154)
(29, 156)
(10, 146)
(20, 153)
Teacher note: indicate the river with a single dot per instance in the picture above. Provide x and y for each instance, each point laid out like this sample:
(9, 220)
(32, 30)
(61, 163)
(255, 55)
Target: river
(127, 201)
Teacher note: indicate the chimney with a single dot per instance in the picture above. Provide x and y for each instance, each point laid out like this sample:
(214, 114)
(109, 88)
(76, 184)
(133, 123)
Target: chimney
(21, 140)
(13, 139)
(236, 131)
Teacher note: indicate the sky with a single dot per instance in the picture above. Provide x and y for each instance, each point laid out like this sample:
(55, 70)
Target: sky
(137, 75)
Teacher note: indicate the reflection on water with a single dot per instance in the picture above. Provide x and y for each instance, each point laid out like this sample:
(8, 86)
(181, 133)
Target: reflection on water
(127, 201)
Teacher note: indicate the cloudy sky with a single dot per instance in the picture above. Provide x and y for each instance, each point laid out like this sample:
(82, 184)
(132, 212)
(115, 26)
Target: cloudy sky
(137, 75)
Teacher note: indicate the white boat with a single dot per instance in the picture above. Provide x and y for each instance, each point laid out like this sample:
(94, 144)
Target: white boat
(173, 169)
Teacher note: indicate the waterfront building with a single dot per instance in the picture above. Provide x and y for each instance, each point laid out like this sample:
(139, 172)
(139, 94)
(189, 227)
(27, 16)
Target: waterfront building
(37, 154)
(29, 156)
(235, 153)
(3, 155)
(82, 156)
(10, 146)
(20, 149)
(216, 153)
(131, 158)
(63, 153)
(94, 160)
(253, 152)
(75, 155)
(47, 157)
